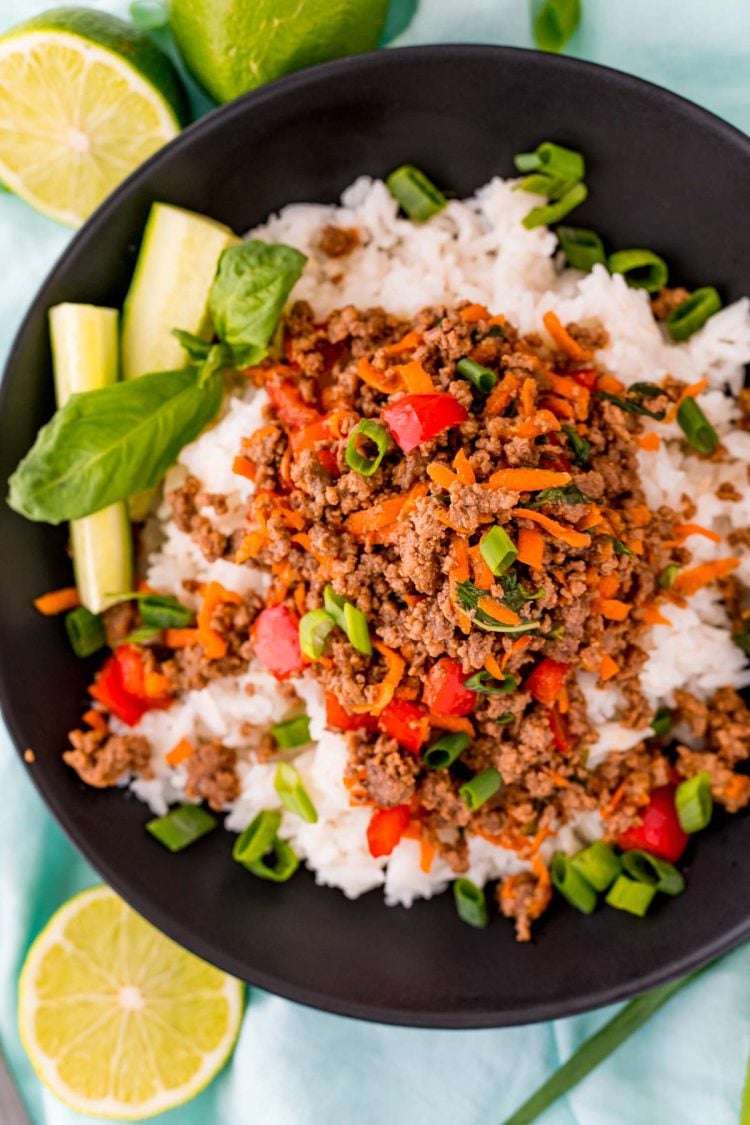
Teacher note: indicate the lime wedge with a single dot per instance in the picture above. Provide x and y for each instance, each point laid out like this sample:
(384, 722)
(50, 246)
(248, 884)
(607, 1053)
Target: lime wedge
(84, 99)
(118, 1021)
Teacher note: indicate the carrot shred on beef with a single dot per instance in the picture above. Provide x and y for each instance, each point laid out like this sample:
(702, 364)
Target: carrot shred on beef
(613, 610)
(639, 515)
(180, 752)
(395, 668)
(683, 530)
(416, 380)
(608, 585)
(213, 644)
(609, 384)
(491, 665)
(243, 467)
(517, 646)
(528, 480)
(463, 468)
(608, 667)
(181, 638)
(690, 581)
(385, 382)
(453, 723)
(501, 394)
(441, 475)
(560, 407)
(498, 611)
(470, 314)
(459, 572)
(531, 547)
(652, 615)
(557, 530)
(688, 392)
(483, 576)
(543, 422)
(563, 339)
(407, 343)
(57, 601)
(527, 398)
(387, 512)
(592, 519)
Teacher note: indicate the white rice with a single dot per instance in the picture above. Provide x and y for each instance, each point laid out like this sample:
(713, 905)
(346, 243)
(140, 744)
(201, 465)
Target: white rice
(476, 249)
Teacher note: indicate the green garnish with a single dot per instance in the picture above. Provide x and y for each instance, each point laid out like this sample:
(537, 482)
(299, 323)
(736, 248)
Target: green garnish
(642, 269)
(482, 378)
(668, 576)
(571, 884)
(181, 827)
(292, 793)
(555, 23)
(582, 248)
(471, 903)
(515, 594)
(444, 752)
(417, 195)
(505, 718)
(598, 865)
(696, 426)
(469, 597)
(655, 872)
(631, 407)
(693, 313)
(357, 629)
(553, 212)
(355, 458)
(568, 494)
(661, 724)
(621, 549)
(292, 732)
(313, 632)
(253, 843)
(277, 865)
(162, 611)
(482, 786)
(580, 447)
(631, 896)
(694, 802)
(498, 550)
(85, 631)
(742, 640)
(485, 684)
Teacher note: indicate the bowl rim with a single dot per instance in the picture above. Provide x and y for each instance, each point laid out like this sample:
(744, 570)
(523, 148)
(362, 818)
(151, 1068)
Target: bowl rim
(54, 800)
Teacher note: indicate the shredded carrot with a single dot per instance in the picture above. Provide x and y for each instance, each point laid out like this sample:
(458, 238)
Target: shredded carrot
(181, 638)
(567, 388)
(96, 720)
(441, 475)
(652, 615)
(608, 585)
(683, 530)
(499, 612)
(300, 598)
(543, 422)
(385, 513)
(557, 530)
(413, 599)
(57, 601)
(531, 547)
(385, 382)
(459, 572)
(689, 392)
(563, 339)
(251, 546)
(415, 378)
(180, 753)
(609, 384)
(528, 397)
(515, 648)
(639, 515)
(155, 685)
(608, 667)
(563, 700)
(453, 723)
(501, 394)
(527, 480)
(613, 609)
(560, 407)
(463, 468)
(491, 665)
(426, 855)
(592, 519)
(483, 576)
(472, 313)
(395, 667)
(406, 344)
(303, 539)
(649, 442)
(243, 467)
(214, 645)
(690, 581)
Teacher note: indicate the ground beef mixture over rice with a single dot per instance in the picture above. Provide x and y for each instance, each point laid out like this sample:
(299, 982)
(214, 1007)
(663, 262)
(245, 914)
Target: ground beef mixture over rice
(502, 550)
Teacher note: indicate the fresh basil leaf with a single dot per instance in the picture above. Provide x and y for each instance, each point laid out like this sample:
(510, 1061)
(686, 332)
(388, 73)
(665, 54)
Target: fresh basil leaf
(631, 407)
(515, 594)
(469, 595)
(486, 684)
(621, 549)
(219, 357)
(252, 284)
(105, 445)
(580, 447)
(195, 346)
(569, 494)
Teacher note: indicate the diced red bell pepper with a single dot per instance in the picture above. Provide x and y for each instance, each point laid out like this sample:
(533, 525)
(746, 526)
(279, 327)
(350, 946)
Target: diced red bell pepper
(289, 405)
(328, 460)
(109, 690)
(659, 832)
(559, 732)
(339, 719)
(131, 669)
(275, 635)
(386, 828)
(587, 377)
(444, 691)
(407, 722)
(546, 681)
(417, 418)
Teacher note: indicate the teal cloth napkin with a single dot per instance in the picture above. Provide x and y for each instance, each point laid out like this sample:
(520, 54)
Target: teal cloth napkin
(295, 1066)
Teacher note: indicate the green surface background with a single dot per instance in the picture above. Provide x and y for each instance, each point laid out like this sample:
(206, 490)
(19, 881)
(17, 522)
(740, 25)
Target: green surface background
(294, 1066)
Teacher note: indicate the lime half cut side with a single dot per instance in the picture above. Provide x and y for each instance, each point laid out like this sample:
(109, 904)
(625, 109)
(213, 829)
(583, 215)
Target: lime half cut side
(84, 99)
(117, 1020)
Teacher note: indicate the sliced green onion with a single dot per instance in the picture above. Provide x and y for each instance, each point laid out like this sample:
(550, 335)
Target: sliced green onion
(696, 426)
(626, 894)
(647, 868)
(527, 161)
(257, 838)
(541, 183)
(481, 787)
(182, 826)
(642, 269)
(334, 605)
(693, 313)
(668, 576)
(375, 433)
(498, 550)
(148, 15)
(313, 632)
(661, 724)
(85, 631)
(278, 864)
(582, 248)
(555, 23)
(482, 378)
(598, 864)
(142, 635)
(292, 732)
(443, 753)
(621, 549)
(357, 629)
(486, 684)
(417, 195)
(505, 718)
(571, 884)
(694, 802)
(553, 212)
(565, 163)
(162, 611)
(471, 903)
(292, 793)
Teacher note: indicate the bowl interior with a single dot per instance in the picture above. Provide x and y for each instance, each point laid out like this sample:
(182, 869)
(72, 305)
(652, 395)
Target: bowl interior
(662, 174)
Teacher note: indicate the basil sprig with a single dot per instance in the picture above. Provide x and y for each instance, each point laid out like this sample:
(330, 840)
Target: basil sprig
(108, 444)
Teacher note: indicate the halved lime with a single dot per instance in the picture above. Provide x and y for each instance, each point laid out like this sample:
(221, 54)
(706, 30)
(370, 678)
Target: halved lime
(118, 1021)
(84, 99)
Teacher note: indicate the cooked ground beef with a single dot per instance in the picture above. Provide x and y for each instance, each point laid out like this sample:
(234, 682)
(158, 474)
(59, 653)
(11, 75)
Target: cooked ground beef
(212, 775)
(119, 621)
(186, 502)
(337, 242)
(667, 300)
(102, 759)
(524, 897)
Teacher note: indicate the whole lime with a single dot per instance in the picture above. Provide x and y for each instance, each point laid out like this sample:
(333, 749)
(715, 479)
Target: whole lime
(232, 46)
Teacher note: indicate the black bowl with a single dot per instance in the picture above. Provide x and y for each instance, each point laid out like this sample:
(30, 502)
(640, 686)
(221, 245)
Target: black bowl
(664, 174)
